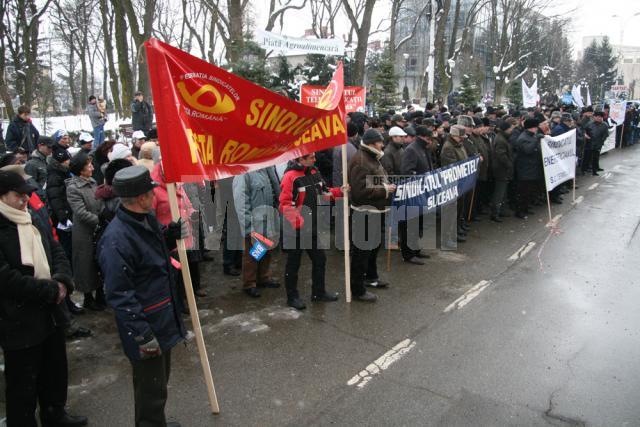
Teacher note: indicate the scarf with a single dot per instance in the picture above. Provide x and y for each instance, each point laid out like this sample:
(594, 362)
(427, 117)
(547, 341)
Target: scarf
(373, 150)
(31, 249)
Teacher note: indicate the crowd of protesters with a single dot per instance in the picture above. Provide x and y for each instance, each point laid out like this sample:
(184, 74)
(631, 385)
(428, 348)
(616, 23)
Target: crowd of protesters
(93, 216)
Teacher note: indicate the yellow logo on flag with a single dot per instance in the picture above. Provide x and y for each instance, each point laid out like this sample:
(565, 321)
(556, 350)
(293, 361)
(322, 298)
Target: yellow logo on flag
(223, 103)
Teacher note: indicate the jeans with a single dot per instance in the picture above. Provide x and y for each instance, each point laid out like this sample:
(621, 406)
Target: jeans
(98, 135)
(318, 263)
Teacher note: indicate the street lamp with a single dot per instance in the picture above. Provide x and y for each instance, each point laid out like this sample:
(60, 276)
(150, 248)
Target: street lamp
(406, 70)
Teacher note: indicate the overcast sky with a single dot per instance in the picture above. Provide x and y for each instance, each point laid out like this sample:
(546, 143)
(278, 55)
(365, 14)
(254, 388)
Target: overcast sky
(589, 18)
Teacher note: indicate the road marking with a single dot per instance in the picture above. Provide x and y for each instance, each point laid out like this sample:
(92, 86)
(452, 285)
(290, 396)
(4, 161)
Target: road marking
(468, 296)
(554, 221)
(382, 363)
(593, 186)
(607, 175)
(578, 200)
(520, 253)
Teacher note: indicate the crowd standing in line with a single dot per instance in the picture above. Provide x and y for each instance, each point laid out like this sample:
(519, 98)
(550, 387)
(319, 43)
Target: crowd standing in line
(95, 218)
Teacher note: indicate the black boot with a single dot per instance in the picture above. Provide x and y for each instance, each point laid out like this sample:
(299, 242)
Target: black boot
(90, 303)
(58, 417)
(100, 298)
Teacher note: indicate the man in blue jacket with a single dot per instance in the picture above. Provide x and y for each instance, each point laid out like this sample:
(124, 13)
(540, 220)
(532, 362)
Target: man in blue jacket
(134, 257)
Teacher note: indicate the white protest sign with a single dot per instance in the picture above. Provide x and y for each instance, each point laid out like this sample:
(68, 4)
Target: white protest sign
(530, 96)
(559, 158)
(617, 111)
(292, 45)
(610, 142)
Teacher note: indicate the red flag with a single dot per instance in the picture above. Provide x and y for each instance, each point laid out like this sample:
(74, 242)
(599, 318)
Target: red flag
(213, 124)
(354, 96)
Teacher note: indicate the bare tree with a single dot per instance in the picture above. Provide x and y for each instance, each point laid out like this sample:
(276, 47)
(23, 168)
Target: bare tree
(277, 9)
(21, 37)
(140, 32)
(361, 25)
(122, 47)
(323, 17)
(107, 16)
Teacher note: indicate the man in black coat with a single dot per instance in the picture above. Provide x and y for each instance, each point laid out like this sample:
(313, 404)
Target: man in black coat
(21, 133)
(416, 160)
(502, 167)
(141, 114)
(35, 277)
(133, 254)
(527, 164)
(598, 132)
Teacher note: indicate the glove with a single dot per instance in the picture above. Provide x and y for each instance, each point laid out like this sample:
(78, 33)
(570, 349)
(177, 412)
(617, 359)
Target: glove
(148, 347)
(177, 230)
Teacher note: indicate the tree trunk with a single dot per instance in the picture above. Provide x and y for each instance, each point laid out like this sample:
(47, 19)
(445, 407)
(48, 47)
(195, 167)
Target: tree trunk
(235, 44)
(362, 32)
(107, 31)
(440, 42)
(122, 47)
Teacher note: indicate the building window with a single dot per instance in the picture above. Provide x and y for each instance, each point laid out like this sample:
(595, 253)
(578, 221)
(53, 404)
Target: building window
(628, 60)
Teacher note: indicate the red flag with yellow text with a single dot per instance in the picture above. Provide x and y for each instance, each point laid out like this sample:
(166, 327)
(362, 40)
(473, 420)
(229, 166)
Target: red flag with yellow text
(213, 124)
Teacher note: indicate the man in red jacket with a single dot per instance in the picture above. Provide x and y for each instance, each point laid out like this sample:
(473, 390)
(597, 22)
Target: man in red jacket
(302, 187)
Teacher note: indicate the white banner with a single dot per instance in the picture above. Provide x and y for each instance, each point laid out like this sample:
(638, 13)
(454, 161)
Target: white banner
(610, 142)
(617, 111)
(559, 158)
(577, 97)
(292, 45)
(530, 96)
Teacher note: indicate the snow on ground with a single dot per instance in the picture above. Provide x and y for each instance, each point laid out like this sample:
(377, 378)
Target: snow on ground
(78, 123)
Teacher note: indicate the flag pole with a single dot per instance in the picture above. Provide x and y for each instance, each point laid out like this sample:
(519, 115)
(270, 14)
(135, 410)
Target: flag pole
(191, 301)
(345, 219)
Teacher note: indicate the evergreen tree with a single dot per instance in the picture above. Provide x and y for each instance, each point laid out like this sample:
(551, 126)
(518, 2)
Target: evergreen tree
(469, 92)
(252, 65)
(514, 92)
(318, 69)
(384, 88)
(283, 78)
(605, 68)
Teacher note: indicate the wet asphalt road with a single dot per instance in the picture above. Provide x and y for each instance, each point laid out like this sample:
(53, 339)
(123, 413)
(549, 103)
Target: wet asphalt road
(478, 336)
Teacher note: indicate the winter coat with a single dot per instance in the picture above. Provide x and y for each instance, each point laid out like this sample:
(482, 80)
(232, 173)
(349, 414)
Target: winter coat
(366, 194)
(95, 115)
(416, 159)
(141, 116)
(139, 283)
(452, 152)
(599, 132)
(301, 190)
(502, 160)
(256, 195)
(484, 149)
(559, 129)
(392, 159)
(352, 148)
(110, 203)
(224, 198)
(21, 134)
(527, 165)
(161, 205)
(36, 167)
(86, 208)
(57, 174)
(28, 312)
